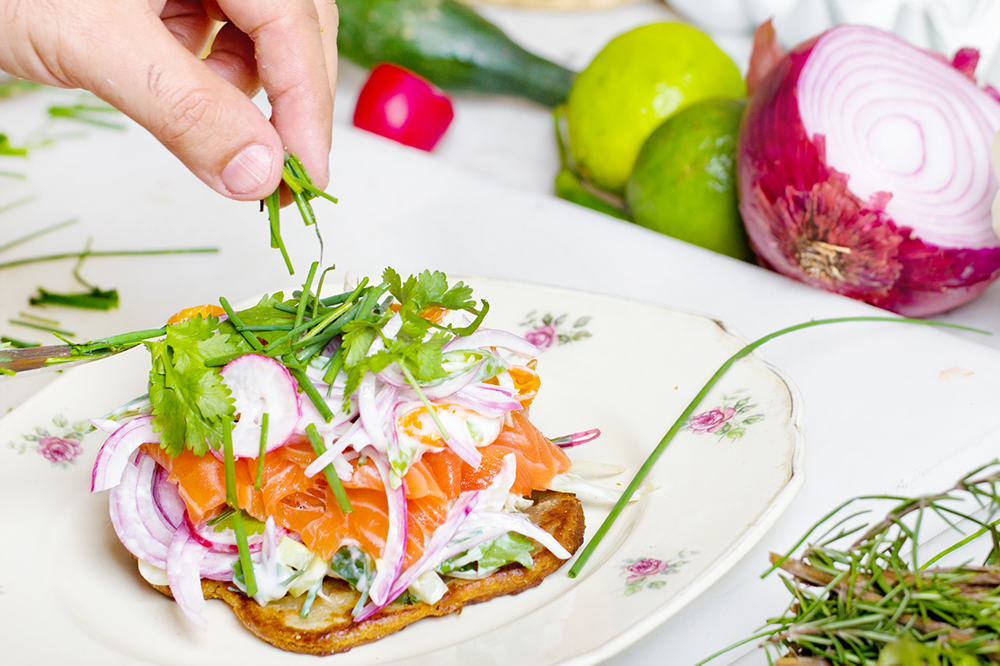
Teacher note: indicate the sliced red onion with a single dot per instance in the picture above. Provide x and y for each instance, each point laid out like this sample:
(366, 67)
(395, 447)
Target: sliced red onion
(368, 409)
(129, 522)
(184, 560)
(494, 399)
(863, 167)
(224, 541)
(116, 451)
(490, 337)
(167, 499)
(107, 426)
(389, 565)
(444, 533)
(576, 439)
(261, 385)
(451, 385)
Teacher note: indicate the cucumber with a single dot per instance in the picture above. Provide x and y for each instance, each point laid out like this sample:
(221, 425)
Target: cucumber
(450, 45)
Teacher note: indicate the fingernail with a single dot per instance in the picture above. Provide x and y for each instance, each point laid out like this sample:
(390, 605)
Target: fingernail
(249, 170)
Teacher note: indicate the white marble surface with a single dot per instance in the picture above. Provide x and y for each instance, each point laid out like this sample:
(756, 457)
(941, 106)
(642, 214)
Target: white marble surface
(884, 408)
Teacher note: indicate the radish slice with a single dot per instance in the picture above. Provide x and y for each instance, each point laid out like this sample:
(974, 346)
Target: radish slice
(261, 385)
(119, 447)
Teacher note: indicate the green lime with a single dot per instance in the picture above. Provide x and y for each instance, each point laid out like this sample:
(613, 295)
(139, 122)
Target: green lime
(637, 81)
(684, 182)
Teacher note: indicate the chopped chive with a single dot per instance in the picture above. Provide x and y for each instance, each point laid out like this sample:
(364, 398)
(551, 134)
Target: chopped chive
(291, 309)
(646, 466)
(11, 206)
(233, 500)
(219, 361)
(337, 299)
(263, 449)
(36, 318)
(18, 344)
(310, 390)
(273, 202)
(95, 299)
(120, 340)
(265, 327)
(233, 317)
(79, 113)
(329, 472)
(300, 311)
(333, 367)
(110, 253)
(40, 327)
(34, 234)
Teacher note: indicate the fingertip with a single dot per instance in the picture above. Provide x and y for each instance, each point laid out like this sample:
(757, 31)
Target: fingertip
(253, 173)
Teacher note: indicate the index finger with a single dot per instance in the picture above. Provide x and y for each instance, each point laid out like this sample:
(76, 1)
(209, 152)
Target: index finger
(292, 62)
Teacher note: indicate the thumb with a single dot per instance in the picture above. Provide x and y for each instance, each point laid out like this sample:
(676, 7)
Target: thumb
(207, 122)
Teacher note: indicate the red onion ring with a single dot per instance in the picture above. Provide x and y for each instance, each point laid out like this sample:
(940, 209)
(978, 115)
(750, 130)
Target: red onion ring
(488, 337)
(114, 455)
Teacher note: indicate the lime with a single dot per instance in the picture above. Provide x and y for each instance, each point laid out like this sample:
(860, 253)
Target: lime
(684, 182)
(637, 81)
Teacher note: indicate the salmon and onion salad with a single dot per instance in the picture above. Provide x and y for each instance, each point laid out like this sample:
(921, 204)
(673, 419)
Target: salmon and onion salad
(381, 436)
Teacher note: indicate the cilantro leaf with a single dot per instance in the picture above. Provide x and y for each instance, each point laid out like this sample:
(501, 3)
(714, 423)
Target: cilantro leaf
(189, 398)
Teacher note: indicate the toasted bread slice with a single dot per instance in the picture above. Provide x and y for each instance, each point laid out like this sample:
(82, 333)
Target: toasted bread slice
(329, 627)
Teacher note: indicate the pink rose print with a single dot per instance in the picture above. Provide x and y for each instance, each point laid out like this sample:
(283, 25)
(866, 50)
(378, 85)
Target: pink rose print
(710, 421)
(646, 566)
(59, 450)
(542, 337)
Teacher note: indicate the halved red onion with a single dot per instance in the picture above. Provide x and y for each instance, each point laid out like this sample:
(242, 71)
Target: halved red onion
(489, 337)
(260, 385)
(117, 449)
(863, 166)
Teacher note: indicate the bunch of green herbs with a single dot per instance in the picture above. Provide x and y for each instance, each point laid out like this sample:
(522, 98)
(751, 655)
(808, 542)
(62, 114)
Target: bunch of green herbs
(920, 587)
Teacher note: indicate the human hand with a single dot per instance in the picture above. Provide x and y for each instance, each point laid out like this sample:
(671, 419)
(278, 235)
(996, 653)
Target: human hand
(141, 57)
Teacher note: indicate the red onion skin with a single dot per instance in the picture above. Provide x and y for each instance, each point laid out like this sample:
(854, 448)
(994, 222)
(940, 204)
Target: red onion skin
(789, 194)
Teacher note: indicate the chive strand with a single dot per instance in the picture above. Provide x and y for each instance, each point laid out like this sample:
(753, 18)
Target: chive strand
(40, 327)
(645, 468)
(238, 323)
(263, 449)
(35, 234)
(242, 545)
(106, 253)
(300, 311)
(310, 390)
(329, 472)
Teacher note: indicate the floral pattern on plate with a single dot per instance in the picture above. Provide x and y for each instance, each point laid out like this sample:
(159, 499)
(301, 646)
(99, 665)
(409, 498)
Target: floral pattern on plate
(647, 572)
(727, 420)
(549, 330)
(59, 443)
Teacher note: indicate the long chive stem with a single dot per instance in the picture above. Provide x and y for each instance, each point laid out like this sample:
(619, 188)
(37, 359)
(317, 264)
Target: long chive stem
(233, 317)
(108, 253)
(645, 468)
(232, 499)
(310, 390)
(263, 449)
(35, 234)
(40, 327)
(329, 472)
(300, 311)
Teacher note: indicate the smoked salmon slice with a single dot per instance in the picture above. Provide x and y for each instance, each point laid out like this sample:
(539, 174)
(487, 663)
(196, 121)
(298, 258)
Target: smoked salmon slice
(308, 507)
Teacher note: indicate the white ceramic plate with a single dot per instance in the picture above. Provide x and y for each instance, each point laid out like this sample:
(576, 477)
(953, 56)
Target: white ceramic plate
(70, 592)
